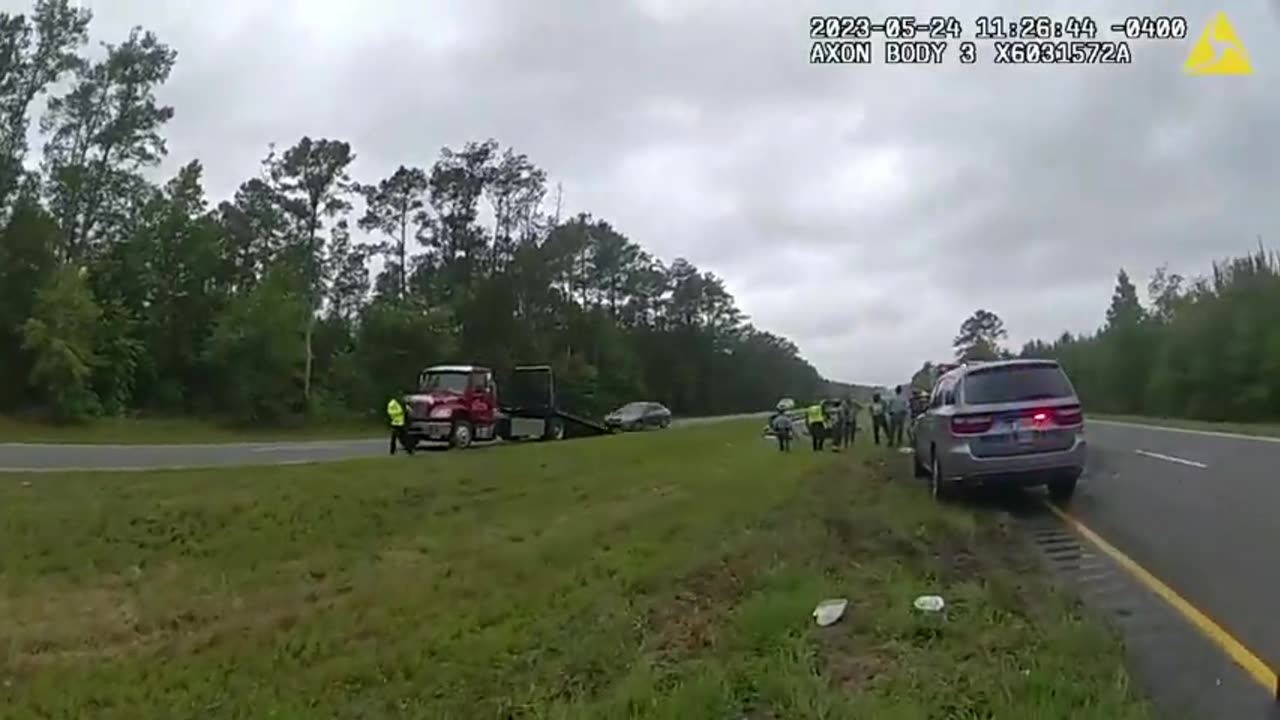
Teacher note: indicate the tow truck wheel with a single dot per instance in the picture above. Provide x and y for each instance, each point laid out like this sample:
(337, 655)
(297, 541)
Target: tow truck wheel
(555, 430)
(462, 434)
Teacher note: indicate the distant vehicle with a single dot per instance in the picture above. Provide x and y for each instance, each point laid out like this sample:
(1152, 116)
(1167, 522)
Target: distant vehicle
(796, 416)
(1011, 422)
(639, 416)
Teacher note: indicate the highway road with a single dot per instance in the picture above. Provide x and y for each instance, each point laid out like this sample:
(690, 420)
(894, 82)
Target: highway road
(37, 457)
(1201, 512)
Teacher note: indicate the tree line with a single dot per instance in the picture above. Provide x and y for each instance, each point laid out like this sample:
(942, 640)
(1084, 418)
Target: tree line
(1205, 347)
(119, 295)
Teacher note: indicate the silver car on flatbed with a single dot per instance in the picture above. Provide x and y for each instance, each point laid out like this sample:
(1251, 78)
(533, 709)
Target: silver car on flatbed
(1009, 422)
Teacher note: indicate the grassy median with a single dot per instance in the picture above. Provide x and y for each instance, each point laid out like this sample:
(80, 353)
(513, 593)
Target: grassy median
(666, 575)
(174, 431)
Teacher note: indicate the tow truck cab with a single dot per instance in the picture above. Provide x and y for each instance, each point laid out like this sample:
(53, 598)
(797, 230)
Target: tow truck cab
(453, 403)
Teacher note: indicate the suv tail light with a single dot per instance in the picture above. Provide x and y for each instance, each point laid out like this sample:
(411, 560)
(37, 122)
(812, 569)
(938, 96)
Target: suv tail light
(970, 424)
(1069, 415)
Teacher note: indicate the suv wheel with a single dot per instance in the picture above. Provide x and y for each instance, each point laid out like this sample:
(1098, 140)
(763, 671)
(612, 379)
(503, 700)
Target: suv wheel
(462, 435)
(1060, 491)
(938, 486)
(918, 468)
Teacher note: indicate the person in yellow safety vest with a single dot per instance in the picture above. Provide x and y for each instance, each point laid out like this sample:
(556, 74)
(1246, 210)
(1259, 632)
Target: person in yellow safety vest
(816, 418)
(395, 415)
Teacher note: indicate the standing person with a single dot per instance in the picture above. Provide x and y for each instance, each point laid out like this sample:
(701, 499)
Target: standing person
(780, 424)
(395, 416)
(816, 421)
(919, 401)
(879, 419)
(850, 421)
(835, 421)
(898, 410)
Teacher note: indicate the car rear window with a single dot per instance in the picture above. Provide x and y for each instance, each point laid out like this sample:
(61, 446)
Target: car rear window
(1016, 383)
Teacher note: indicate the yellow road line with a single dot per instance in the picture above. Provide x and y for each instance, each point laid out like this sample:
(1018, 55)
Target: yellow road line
(1241, 655)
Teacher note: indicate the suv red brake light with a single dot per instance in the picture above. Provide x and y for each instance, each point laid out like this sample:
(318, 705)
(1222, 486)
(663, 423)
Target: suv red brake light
(970, 424)
(1069, 415)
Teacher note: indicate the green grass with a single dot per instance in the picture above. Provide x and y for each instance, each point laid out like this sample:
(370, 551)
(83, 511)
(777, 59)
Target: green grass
(1258, 429)
(167, 431)
(662, 575)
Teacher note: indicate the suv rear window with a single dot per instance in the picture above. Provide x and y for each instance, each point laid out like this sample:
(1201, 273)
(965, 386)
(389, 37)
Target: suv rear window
(1016, 383)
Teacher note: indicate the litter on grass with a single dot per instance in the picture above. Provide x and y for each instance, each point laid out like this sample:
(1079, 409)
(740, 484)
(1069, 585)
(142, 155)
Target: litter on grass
(829, 611)
(929, 603)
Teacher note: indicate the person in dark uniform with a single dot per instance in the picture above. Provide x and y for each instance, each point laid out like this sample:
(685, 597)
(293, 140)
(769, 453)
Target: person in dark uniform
(850, 421)
(780, 424)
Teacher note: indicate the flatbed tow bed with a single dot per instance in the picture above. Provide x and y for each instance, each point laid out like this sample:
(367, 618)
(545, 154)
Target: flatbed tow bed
(535, 413)
(584, 426)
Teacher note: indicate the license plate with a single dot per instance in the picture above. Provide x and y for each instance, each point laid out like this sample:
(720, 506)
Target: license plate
(1024, 433)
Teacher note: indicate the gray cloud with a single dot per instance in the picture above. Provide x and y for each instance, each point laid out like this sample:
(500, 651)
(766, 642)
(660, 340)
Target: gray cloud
(861, 211)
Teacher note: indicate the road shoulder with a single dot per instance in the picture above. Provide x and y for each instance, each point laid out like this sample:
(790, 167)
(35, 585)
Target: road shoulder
(1244, 431)
(185, 431)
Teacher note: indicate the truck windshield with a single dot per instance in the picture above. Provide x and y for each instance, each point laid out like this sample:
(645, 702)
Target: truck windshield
(443, 382)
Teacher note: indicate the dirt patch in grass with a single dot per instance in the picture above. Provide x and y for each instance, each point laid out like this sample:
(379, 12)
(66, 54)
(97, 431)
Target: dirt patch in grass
(70, 626)
(848, 667)
(689, 619)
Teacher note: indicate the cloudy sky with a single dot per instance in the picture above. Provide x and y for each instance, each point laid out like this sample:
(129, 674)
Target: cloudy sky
(862, 211)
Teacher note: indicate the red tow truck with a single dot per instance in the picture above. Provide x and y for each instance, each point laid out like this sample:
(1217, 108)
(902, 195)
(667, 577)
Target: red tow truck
(460, 405)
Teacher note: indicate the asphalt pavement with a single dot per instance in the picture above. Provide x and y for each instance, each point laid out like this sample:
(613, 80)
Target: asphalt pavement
(1201, 512)
(40, 457)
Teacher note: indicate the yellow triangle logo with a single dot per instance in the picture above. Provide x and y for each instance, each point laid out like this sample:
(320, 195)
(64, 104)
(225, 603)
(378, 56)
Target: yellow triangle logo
(1218, 51)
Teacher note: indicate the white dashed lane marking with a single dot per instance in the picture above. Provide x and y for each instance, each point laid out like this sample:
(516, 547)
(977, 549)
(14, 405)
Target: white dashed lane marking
(1172, 459)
